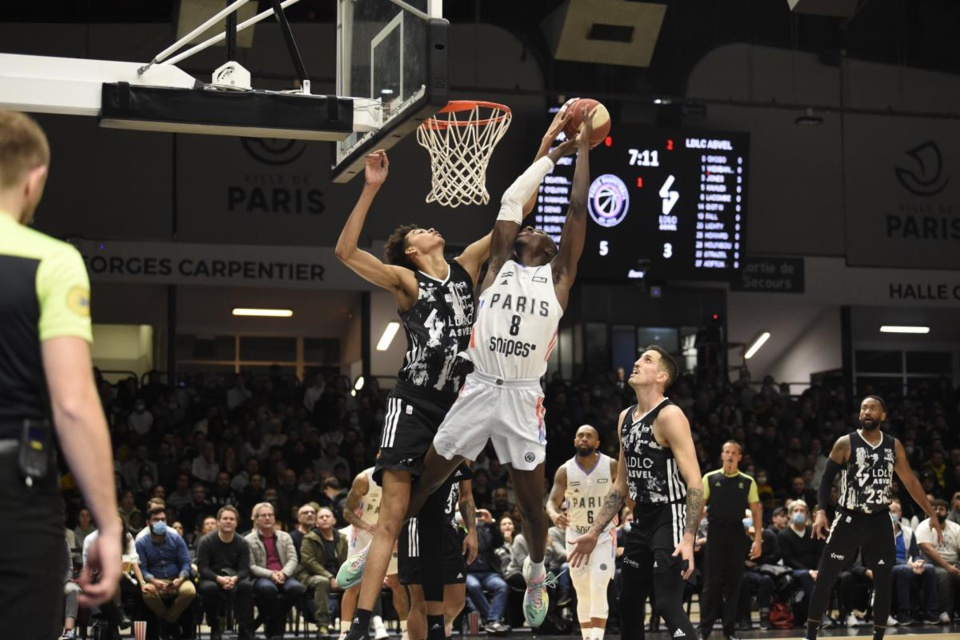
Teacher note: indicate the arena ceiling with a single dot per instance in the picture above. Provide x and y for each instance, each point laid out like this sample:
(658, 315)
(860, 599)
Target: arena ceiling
(899, 32)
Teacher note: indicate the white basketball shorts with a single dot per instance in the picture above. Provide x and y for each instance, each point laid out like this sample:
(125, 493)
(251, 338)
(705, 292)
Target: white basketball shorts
(507, 412)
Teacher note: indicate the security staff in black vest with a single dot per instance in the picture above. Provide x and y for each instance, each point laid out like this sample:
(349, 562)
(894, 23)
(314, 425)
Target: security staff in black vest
(726, 493)
(868, 458)
(45, 371)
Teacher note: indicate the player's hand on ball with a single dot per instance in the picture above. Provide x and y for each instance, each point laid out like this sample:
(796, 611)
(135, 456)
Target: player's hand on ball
(582, 548)
(377, 168)
(560, 120)
(586, 129)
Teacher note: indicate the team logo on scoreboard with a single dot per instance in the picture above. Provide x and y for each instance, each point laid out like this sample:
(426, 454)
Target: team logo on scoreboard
(608, 200)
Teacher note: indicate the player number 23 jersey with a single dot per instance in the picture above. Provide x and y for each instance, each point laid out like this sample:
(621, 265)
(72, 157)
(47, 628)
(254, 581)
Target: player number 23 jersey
(516, 324)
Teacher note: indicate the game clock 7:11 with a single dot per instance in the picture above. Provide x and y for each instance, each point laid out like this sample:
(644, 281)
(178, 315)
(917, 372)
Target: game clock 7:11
(665, 202)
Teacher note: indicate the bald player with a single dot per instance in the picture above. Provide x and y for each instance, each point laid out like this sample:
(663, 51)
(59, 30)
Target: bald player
(579, 489)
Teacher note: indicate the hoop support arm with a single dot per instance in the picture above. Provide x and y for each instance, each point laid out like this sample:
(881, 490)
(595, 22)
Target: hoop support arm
(206, 44)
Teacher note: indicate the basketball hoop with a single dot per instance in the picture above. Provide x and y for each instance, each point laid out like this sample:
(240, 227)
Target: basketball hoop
(460, 139)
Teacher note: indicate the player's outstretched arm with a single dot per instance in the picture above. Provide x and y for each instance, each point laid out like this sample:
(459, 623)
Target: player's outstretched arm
(585, 544)
(560, 120)
(676, 430)
(575, 228)
(914, 488)
(505, 229)
(555, 501)
(363, 263)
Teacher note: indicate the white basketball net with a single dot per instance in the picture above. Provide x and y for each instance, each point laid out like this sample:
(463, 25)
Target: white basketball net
(460, 143)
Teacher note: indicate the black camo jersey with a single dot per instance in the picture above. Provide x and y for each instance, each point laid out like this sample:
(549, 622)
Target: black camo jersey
(865, 479)
(653, 475)
(438, 329)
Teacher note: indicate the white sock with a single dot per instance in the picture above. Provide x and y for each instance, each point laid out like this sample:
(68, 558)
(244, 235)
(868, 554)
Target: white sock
(345, 626)
(587, 633)
(377, 622)
(537, 570)
(598, 633)
(403, 625)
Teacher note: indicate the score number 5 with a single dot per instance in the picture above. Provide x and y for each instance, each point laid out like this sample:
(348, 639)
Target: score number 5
(644, 158)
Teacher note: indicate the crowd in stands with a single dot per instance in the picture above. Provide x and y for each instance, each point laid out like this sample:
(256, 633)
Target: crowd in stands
(211, 448)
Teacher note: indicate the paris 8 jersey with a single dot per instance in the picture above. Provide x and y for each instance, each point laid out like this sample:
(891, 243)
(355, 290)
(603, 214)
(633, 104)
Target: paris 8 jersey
(516, 325)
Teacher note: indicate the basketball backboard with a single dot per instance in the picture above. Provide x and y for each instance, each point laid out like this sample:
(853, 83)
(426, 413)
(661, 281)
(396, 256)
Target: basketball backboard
(394, 52)
(391, 74)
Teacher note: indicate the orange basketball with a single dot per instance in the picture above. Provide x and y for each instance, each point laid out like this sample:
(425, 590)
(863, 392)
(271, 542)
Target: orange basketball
(601, 120)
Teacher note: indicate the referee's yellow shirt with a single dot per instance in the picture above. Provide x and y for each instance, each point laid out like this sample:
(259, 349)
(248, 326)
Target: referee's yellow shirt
(44, 293)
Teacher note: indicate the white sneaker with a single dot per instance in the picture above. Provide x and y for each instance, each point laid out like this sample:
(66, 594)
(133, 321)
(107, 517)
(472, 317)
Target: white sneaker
(944, 617)
(852, 621)
(404, 635)
(892, 622)
(380, 633)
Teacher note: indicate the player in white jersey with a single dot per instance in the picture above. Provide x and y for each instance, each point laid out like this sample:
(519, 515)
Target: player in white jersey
(522, 297)
(579, 489)
(362, 511)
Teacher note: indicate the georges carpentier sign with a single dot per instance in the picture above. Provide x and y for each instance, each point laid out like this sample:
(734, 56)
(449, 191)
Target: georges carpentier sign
(230, 265)
(902, 192)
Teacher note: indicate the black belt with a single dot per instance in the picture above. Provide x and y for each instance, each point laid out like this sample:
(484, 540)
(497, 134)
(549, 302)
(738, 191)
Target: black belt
(13, 430)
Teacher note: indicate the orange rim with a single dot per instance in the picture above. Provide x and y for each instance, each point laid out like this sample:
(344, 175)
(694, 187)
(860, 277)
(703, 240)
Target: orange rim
(457, 106)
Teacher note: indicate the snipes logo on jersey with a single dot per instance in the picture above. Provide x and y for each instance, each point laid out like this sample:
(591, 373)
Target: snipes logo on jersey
(608, 200)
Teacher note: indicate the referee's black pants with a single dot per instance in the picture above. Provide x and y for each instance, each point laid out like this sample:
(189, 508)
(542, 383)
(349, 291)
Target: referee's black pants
(724, 557)
(33, 552)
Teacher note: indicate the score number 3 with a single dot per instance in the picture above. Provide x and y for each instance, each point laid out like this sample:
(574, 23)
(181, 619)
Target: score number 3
(644, 158)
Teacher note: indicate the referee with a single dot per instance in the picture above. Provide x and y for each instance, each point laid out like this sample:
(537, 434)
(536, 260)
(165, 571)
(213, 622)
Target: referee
(45, 372)
(727, 492)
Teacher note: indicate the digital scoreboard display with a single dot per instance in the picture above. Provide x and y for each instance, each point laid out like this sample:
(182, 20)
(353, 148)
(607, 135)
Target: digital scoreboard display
(667, 203)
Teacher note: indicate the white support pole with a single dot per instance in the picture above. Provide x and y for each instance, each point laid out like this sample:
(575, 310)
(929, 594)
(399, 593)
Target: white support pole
(160, 57)
(219, 38)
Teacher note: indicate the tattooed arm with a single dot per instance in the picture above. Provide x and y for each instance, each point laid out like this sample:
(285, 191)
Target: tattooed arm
(585, 544)
(673, 430)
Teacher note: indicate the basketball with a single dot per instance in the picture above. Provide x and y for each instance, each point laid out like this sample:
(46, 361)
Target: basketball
(601, 120)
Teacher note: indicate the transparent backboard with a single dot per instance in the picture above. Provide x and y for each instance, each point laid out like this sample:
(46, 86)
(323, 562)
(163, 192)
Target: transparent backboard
(394, 51)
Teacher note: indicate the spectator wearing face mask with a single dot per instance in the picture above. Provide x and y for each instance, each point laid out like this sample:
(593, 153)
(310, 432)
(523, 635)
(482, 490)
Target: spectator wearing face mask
(801, 553)
(165, 564)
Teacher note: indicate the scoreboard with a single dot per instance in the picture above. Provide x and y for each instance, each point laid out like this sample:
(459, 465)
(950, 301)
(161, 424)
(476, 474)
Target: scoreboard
(666, 202)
